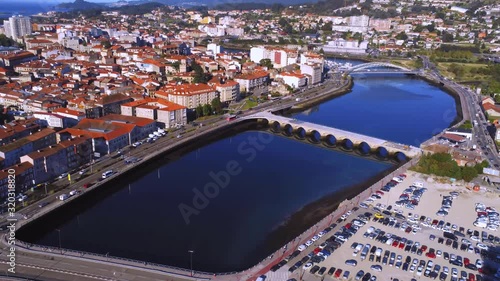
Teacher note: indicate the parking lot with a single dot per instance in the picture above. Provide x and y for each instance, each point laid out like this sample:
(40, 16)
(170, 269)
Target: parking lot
(402, 242)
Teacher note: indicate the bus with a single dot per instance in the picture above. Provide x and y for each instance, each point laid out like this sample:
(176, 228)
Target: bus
(231, 117)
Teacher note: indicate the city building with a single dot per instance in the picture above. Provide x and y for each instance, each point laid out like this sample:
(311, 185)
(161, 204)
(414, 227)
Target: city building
(167, 114)
(24, 178)
(294, 80)
(17, 26)
(68, 155)
(111, 132)
(191, 95)
(250, 81)
(312, 72)
(12, 152)
(346, 46)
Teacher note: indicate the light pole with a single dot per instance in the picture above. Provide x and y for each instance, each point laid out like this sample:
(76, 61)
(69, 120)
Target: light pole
(59, 232)
(191, 260)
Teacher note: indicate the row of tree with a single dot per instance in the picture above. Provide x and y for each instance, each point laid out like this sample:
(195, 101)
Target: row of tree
(441, 164)
(215, 107)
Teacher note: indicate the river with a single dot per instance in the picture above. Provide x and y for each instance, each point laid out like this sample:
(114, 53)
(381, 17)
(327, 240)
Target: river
(245, 221)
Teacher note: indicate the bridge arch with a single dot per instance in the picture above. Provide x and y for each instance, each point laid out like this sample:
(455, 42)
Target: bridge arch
(288, 130)
(330, 140)
(364, 148)
(370, 65)
(314, 136)
(400, 157)
(276, 127)
(300, 133)
(347, 144)
(382, 153)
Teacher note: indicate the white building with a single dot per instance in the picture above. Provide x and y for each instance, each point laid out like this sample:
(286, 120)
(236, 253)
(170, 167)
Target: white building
(294, 80)
(279, 57)
(17, 26)
(346, 46)
(214, 48)
(313, 72)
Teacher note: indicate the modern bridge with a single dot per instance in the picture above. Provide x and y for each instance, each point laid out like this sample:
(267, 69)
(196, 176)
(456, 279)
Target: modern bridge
(332, 137)
(380, 68)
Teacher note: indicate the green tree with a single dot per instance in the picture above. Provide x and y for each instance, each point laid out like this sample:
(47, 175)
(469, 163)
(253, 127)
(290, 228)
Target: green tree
(402, 36)
(199, 111)
(216, 105)
(469, 173)
(106, 44)
(266, 63)
(207, 110)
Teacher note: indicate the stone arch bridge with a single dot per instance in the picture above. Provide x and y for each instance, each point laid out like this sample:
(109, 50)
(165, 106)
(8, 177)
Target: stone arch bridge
(334, 137)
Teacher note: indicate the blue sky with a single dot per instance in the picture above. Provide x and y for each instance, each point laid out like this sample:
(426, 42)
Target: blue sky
(58, 1)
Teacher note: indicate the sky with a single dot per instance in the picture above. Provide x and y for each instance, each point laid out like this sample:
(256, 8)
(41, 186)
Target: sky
(59, 1)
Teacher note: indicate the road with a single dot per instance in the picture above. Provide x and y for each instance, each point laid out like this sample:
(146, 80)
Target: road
(471, 111)
(51, 265)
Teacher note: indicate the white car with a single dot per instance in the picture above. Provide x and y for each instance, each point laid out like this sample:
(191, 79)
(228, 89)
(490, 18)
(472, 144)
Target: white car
(454, 272)
(482, 246)
(307, 266)
(302, 247)
(475, 238)
(315, 238)
(309, 243)
(479, 263)
(22, 198)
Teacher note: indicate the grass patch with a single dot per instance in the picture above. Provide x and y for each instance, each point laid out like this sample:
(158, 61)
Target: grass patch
(468, 73)
(249, 103)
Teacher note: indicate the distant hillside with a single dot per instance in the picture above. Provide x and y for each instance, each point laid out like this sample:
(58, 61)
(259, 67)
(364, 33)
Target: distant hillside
(80, 5)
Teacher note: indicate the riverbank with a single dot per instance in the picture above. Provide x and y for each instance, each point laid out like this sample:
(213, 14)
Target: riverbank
(309, 215)
(319, 99)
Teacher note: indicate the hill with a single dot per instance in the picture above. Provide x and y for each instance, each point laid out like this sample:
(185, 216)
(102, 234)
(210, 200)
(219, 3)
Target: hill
(80, 5)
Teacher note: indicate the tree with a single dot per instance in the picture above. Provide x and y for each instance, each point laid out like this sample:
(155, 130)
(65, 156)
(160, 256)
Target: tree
(266, 63)
(106, 44)
(200, 75)
(469, 173)
(207, 109)
(402, 36)
(199, 111)
(217, 105)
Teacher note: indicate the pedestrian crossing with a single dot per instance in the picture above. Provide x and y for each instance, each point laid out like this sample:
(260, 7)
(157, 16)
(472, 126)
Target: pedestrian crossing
(279, 275)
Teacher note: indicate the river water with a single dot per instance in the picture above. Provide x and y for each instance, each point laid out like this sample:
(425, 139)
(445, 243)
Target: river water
(155, 214)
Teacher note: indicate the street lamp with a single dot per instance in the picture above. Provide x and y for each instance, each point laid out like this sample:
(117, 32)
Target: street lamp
(59, 232)
(191, 260)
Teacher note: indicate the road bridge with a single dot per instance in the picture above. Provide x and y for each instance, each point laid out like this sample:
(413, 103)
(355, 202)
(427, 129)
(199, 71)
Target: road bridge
(345, 140)
(379, 67)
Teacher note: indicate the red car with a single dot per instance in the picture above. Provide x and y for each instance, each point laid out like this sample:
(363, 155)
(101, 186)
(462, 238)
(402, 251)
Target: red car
(472, 277)
(317, 250)
(466, 261)
(403, 175)
(423, 248)
(395, 244)
(430, 255)
(401, 245)
(379, 192)
(338, 272)
(347, 226)
(87, 185)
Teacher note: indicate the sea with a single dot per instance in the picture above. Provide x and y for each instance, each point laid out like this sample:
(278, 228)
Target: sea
(27, 8)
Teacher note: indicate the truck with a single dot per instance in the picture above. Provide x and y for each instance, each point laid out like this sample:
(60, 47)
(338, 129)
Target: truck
(63, 197)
